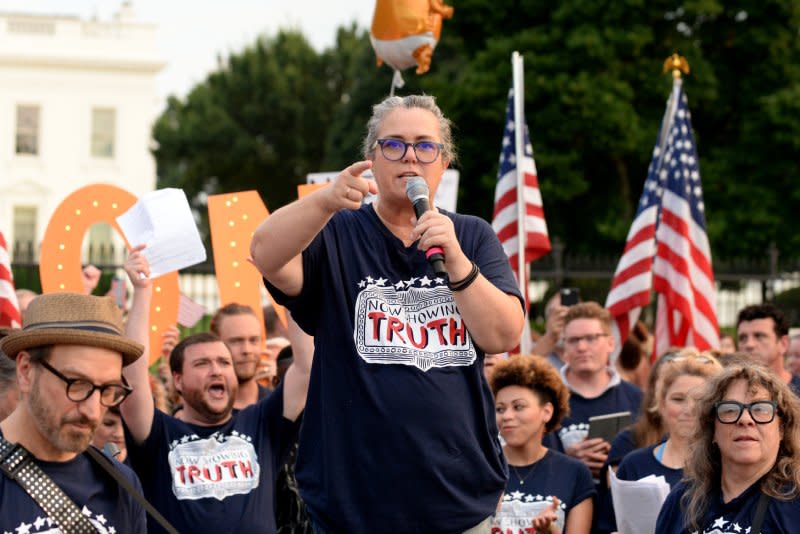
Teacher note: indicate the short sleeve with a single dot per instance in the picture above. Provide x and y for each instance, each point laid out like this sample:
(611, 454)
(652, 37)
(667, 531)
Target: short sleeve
(584, 485)
(303, 309)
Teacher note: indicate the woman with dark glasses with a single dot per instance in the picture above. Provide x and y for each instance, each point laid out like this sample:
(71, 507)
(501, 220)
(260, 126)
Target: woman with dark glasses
(742, 475)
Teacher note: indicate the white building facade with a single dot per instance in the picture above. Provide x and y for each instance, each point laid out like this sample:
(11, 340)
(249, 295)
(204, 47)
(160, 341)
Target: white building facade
(77, 103)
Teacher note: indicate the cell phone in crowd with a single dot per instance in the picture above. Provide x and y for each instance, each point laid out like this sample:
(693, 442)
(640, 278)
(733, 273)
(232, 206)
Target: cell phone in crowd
(609, 425)
(570, 296)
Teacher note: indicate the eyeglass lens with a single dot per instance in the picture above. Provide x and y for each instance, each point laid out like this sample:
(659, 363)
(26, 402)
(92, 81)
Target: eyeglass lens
(589, 338)
(394, 149)
(730, 412)
(78, 390)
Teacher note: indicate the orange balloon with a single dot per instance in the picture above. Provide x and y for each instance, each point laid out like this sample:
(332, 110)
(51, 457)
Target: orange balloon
(60, 263)
(404, 33)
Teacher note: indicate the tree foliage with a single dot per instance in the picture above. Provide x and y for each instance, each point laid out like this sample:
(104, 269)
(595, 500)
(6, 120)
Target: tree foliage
(595, 96)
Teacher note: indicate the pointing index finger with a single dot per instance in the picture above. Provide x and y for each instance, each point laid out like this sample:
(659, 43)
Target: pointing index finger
(357, 168)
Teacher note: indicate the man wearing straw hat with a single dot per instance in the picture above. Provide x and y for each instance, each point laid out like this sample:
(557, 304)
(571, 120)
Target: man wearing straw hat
(69, 357)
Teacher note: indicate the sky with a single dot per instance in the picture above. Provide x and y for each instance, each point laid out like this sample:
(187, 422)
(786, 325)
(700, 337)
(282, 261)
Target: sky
(191, 34)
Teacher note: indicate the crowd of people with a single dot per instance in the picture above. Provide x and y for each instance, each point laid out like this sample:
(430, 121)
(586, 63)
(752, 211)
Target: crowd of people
(389, 402)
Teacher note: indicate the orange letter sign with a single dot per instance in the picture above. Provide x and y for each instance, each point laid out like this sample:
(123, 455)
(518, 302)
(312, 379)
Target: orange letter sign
(60, 263)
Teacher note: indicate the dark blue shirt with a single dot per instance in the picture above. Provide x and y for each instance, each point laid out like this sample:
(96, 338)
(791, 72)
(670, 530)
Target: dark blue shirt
(734, 517)
(642, 462)
(794, 383)
(216, 479)
(624, 443)
(531, 489)
(96, 494)
(399, 432)
(622, 397)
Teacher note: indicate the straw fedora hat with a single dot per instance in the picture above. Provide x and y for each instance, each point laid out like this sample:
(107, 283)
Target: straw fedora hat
(72, 319)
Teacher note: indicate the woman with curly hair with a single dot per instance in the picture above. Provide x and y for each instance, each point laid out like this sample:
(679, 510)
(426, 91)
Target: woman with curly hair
(742, 475)
(546, 490)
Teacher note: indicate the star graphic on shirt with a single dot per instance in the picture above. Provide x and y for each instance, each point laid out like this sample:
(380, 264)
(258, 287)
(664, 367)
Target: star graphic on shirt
(539, 498)
(413, 279)
(736, 527)
(425, 281)
(184, 439)
(398, 285)
(235, 434)
(370, 279)
(24, 528)
(747, 531)
(86, 512)
(506, 497)
(381, 281)
(39, 523)
(49, 522)
(529, 498)
(517, 495)
(101, 519)
(361, 284)
(439, 280)
(719, 523)
(112, 530)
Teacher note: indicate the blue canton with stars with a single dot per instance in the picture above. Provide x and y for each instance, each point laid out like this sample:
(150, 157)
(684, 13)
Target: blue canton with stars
(508, 158)
(675, 166)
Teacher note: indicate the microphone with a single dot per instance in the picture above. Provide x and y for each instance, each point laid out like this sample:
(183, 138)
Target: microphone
(111, 449)
(417, 192)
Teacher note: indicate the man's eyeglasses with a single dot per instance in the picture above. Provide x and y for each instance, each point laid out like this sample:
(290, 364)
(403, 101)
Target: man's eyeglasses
(591, 339)
(395, 150)
(729, 412)
(675, 357)
(79, 390)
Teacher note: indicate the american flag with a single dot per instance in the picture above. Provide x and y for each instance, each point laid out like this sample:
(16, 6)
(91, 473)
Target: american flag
(667, 247)
(537, 242)
(9, 307)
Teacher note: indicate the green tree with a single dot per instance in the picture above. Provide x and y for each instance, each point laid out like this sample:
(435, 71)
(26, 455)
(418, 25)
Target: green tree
(594, 99)
(253, 124)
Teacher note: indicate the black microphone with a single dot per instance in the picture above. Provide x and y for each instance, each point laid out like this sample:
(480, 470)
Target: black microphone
(111, 449)
(417, 192)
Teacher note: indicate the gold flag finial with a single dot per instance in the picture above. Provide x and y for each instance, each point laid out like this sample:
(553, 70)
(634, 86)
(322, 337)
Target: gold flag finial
(676, 64)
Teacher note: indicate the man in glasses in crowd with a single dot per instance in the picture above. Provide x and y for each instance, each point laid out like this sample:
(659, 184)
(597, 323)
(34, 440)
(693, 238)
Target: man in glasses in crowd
(69, 357)
(762, 331)
(595, 386)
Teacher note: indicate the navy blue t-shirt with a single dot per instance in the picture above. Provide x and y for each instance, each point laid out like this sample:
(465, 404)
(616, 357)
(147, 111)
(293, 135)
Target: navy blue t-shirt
(735, 517)
(624, 443)
(109, 507)
(399, 432)
(215, 479)
(794, 383)
(531, 489)
(642, 462)
(624, 397)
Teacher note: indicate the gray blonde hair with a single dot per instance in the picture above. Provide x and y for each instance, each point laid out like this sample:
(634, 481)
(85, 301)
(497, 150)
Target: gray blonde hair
(381, 110)
(703, 469)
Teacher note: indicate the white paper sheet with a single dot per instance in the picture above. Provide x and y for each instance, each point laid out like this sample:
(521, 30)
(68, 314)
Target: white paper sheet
(163, 221)
(637, 502)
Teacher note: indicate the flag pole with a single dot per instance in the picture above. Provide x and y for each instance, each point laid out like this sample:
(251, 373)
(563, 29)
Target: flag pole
(519, 151)
(676, 64)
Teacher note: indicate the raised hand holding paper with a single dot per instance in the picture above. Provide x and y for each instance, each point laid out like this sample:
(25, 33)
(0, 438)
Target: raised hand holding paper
(163, 221)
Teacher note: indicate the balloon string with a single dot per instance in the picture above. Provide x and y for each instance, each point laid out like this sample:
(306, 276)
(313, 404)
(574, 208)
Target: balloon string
(397, 81)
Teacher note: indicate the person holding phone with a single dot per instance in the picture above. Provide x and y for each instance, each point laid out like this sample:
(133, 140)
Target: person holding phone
(595, 386)
(546, 490)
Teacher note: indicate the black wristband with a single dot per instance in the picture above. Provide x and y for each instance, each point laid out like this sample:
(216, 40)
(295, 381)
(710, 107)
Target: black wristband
(467, 281)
